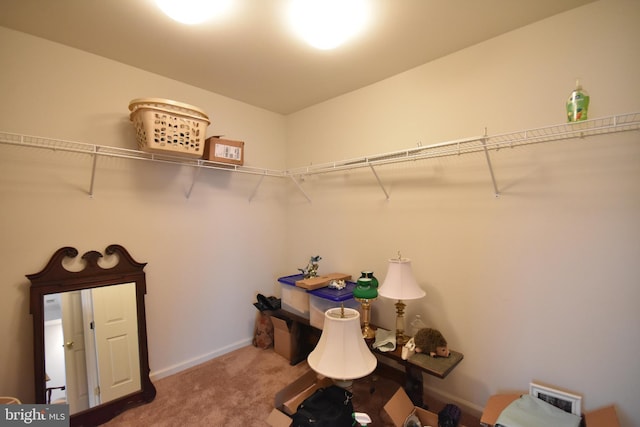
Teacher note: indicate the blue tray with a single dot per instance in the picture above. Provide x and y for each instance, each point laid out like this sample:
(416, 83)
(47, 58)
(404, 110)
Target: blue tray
(291, 280)
(336, 295)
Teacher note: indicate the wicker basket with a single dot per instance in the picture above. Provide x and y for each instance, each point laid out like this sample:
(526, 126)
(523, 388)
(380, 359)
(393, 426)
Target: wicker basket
(169, 127)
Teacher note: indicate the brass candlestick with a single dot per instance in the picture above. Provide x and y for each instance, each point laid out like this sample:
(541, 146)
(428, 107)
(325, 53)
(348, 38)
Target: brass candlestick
(401, 338)
(367, 332)
(365, 293)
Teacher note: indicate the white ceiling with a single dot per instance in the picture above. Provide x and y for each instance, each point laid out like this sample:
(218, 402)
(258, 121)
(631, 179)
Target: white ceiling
(252, 56)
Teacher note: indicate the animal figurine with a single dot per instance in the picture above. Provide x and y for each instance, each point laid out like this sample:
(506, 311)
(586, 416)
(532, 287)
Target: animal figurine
(311, 270)
(409, 349)
(431, 341)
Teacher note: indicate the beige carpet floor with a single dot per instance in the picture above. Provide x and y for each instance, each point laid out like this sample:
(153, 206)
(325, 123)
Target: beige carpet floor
(238, 390)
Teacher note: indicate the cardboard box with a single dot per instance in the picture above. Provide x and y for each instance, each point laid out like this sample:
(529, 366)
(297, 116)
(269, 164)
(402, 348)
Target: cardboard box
(285, 334)
(288, 399)
(495, 405)
(221, 150)
(603, 417)
(278, 419)
(399, 407)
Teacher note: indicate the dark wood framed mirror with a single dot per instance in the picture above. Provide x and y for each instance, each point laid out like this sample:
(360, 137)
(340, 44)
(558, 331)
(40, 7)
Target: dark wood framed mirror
(90, 334)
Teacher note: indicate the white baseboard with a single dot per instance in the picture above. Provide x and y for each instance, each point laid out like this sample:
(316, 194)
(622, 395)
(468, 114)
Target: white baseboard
(174, 369)
(465, 405)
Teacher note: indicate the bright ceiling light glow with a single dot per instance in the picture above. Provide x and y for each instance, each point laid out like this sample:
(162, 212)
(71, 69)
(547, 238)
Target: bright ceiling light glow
(193, 12)
(326, 24)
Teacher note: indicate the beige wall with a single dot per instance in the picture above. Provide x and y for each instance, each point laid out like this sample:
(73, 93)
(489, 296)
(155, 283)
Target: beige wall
(539, 283)
(207, 255)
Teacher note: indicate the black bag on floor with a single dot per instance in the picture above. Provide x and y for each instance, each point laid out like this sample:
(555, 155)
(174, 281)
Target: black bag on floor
(449, 416)
(326, 407)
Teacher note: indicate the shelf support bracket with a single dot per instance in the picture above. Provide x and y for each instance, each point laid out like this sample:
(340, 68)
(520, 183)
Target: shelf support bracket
(300, 188)
(196, 173)
(93, 171)
(255, 190)
(379, 181)
(486, 153)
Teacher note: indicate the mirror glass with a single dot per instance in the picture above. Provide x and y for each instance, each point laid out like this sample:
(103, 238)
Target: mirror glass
(90, 335)
(87, 366)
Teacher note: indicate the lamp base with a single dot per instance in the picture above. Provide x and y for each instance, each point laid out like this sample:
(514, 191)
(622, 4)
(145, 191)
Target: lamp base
(368, 333)
(345, 384)
(401, 338)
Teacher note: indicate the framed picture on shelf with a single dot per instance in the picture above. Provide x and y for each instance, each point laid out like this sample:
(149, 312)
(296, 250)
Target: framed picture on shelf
(568, 402)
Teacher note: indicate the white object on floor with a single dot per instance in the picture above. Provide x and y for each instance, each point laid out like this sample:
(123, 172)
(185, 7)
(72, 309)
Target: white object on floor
(362, 418)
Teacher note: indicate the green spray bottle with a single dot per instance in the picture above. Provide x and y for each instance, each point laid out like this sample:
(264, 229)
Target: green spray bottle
(577, 104)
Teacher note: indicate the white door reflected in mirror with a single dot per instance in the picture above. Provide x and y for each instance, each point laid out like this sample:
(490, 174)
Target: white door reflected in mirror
(91, 345)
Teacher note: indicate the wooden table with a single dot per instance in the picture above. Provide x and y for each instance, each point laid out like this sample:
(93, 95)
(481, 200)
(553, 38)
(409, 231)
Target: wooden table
(439, 367)
(417, 364)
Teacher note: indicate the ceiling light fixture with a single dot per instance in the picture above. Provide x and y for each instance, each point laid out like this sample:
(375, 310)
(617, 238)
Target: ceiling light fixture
(326, 24)
(193, 12)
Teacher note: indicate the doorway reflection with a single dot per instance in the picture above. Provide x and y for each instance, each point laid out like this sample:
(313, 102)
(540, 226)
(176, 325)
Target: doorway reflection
(53, 344)
(91, 346)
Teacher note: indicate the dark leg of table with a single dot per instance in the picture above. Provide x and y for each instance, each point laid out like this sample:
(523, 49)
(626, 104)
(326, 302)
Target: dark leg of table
(306, 337)
(414, 385)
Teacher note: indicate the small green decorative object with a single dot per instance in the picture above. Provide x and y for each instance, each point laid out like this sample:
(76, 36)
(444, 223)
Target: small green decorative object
(364, 289)
(369, 275)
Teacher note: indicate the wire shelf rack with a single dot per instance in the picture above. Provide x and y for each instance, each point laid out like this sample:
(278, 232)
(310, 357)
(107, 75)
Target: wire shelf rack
(619, 123)
(484, 143)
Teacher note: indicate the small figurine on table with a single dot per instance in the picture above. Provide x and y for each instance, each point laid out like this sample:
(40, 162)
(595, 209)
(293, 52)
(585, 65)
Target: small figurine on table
(431, 341)
(311, 270)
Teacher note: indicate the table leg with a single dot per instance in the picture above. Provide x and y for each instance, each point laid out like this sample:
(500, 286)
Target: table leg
(306, 337)
(414, 385)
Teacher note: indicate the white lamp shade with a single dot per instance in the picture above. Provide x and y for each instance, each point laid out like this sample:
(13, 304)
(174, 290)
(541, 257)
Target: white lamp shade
(399, 284)
(342, 353)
